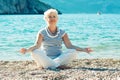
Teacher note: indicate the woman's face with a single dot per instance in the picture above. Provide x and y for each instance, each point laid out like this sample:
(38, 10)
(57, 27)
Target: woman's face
(52, 18)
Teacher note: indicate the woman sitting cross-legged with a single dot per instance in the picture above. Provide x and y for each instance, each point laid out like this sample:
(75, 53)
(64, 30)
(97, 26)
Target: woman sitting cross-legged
(47, 51)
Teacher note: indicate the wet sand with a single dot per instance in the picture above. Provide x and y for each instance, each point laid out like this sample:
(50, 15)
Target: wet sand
(82, 69)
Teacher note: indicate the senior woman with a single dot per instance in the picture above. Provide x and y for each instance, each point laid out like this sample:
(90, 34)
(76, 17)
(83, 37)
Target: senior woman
(47, 50)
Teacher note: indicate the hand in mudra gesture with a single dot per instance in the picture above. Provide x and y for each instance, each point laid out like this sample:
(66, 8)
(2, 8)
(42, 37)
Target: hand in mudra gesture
(88, 50)
(23, 50)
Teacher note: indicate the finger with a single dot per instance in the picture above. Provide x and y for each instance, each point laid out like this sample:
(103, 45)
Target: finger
(89, 49)
(21, 51)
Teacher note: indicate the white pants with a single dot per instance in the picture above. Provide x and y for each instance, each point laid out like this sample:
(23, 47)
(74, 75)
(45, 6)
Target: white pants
(43, 60)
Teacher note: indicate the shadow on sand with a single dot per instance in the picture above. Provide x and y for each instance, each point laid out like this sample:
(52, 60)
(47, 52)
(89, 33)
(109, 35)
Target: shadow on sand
(96, 69)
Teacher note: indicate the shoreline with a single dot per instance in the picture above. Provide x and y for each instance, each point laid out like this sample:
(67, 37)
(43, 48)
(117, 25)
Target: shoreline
(85, 69)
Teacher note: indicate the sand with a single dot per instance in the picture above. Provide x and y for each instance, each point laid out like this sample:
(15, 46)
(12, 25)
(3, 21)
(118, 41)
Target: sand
(82, 69)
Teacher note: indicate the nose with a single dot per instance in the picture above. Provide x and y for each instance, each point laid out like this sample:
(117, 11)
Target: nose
(52, 18)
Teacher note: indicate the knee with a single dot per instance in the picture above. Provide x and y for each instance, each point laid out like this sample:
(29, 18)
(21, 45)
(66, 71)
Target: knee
(36, 52)
(71, 51)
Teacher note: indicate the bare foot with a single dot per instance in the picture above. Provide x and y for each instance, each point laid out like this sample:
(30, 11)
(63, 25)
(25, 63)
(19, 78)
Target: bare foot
(63, 67)
(40, 68)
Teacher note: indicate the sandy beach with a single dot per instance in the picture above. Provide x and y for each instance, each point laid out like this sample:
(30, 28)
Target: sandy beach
(82, 69)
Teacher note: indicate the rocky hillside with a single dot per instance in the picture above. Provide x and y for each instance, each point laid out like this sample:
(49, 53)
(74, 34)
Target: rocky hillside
(23, 7)
(86, 6)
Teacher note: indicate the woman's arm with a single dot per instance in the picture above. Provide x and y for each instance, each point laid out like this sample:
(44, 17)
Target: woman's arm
(35, 46)
(69, 45)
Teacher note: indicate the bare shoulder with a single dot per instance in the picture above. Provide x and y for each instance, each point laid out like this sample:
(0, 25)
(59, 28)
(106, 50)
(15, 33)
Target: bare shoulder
(40, 36)
(66, 38)
(65, 35)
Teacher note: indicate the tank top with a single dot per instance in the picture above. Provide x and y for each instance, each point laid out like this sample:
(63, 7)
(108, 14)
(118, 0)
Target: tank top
(52, 45)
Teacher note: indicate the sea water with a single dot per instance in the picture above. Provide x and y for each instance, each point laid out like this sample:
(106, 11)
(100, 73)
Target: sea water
(100, 32)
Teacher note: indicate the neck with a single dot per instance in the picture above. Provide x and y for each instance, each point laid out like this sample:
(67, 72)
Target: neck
(52, 28)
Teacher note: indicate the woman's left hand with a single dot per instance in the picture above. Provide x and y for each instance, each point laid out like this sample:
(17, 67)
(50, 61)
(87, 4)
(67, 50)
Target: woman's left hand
(88, 50)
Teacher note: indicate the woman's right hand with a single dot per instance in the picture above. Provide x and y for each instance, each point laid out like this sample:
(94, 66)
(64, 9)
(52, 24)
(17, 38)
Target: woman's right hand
(23, 50)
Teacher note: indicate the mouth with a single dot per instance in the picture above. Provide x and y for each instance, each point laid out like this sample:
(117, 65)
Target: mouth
(52, 21)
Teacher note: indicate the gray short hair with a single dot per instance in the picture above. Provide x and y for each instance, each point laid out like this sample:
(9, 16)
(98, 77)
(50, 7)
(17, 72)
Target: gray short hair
(50, 11)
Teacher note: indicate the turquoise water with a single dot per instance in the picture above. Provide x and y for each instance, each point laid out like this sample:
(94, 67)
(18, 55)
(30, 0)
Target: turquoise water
(100, 32)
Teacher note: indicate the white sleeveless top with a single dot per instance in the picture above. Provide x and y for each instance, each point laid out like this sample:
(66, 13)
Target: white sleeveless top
(52, 45)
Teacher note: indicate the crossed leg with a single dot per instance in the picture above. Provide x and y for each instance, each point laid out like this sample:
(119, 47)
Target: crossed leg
(44, 61)
(66, 57)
